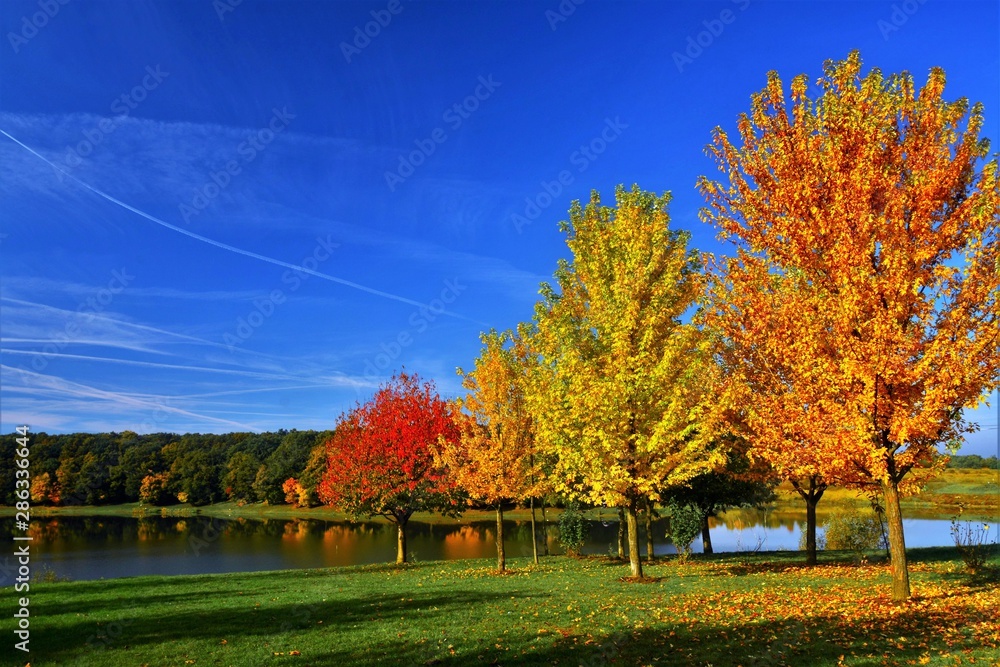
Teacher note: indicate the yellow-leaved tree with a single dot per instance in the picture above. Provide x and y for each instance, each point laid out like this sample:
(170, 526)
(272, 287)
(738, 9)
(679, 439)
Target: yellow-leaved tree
(620, 376)
(866, 222)
(493, 459)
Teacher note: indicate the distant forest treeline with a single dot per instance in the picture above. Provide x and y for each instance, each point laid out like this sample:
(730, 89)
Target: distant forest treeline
(974, 461)
(166, 468)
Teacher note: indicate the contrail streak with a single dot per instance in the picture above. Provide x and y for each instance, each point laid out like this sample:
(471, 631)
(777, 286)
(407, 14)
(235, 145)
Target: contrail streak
(219, 244)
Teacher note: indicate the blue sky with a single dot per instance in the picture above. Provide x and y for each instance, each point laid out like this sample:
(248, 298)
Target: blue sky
(415, 175)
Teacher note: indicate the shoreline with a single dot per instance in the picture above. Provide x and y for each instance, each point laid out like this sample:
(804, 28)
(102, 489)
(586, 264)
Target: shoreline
(970, 507)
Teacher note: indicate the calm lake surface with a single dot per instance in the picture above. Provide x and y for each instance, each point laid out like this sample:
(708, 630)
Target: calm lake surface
(95, 547)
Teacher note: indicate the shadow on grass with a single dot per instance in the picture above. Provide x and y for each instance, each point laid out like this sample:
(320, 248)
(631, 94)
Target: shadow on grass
(817, 641)
(155, 624)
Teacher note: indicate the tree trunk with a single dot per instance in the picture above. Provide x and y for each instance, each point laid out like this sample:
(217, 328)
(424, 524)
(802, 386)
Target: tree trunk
(811, 495)
(400, 542)
(649, 530)
(706, 536)
(501, 554)
(545, 531)
(810, 532)
(897, 545)
(633, 541)
(621, 533)
(534, 531)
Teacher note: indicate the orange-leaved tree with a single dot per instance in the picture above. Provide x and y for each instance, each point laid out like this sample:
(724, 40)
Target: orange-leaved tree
(620, 376)
(874, 209)
(493, 460)
(766, 394)
(381, 458)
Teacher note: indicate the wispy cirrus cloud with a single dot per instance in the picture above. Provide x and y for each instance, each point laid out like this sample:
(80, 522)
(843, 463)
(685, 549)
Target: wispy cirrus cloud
(57, 394)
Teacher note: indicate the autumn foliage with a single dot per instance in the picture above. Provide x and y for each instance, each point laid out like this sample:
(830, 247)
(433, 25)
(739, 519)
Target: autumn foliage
(493, 460)
(381, 456)
(296, 494)
(860, 310)
(620, 378)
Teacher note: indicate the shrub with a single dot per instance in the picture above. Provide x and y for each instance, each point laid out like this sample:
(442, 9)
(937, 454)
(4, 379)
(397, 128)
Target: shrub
(970, 540)
(683, 526)
(853, 531)
(572, 529)
(820, 541)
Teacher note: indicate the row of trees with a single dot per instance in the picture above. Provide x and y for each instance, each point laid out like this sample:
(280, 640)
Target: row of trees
(165, 468)
(839, 344)
(974, 461)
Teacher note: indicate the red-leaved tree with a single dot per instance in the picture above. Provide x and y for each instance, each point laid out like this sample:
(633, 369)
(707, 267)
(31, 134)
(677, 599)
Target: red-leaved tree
(380, 460)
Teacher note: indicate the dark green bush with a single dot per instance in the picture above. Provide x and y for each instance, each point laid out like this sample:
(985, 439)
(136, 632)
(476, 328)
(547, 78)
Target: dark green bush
(572, 529)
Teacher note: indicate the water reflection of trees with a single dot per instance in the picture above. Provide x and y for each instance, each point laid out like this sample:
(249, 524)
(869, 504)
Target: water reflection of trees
(742, 519)
(438, 540)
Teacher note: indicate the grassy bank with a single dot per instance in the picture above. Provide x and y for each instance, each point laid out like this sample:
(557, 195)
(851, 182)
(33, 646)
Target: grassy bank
(761, 609)
(975, 492)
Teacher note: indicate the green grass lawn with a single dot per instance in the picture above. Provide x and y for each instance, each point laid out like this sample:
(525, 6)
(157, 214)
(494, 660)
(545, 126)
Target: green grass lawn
(730, 609)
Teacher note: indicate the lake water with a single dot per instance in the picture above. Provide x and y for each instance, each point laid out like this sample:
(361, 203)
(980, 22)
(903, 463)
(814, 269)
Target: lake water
(95, 547)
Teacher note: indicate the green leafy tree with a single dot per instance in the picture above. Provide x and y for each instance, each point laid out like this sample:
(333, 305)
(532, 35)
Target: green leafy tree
(196, 477)
(739, 484)
(241, 472)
